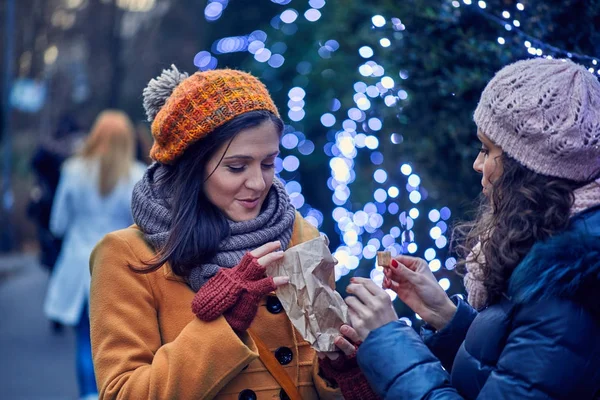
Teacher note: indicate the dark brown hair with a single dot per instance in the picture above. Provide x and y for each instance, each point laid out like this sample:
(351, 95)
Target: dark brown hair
(524, 207)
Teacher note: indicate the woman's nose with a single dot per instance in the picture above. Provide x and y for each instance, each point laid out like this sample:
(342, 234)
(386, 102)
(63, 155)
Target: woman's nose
(478, 163)
(256, 181)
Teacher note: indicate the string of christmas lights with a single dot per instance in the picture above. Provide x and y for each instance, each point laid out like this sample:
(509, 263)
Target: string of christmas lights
(535, 47)
(389, 221)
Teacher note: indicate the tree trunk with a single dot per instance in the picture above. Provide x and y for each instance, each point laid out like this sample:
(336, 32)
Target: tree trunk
(114, 37)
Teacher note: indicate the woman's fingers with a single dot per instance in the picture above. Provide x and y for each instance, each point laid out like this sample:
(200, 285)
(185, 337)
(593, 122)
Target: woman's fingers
(362, 293)
(332, 355)
(387, 283)
(399, 272)
(344, 345)
(270, 258)
(266, 249)
(368, 284)
(390, 284)
(356, 306)
(350, 333)
(281, 280)
(409, 262)
(357, 322)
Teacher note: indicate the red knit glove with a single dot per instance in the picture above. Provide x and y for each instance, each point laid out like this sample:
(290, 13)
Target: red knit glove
(235, 293)
(345, 372)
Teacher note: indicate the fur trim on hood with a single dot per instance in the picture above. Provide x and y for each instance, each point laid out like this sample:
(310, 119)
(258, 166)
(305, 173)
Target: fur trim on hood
(565, 266)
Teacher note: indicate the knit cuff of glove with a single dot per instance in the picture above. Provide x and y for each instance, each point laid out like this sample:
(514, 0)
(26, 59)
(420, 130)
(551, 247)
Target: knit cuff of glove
(345, 372)
(217, 295)
(241, 315)
(338, 367)
(222, 291)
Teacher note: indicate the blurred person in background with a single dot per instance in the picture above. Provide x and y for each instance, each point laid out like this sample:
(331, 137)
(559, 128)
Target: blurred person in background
(92, 199)
(46, 163)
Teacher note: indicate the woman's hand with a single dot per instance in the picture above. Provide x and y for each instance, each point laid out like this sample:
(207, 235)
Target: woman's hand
(346, 343)
(267, 254)
(236, 292)
(369, 308)
(341, 368)
(413, 281)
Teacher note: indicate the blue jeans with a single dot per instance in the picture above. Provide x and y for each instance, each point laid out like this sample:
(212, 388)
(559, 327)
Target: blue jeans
(83, 359)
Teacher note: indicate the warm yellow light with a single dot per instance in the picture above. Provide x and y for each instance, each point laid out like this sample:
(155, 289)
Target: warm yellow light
(57, 17)
(68, 21)
(62, 19)
(73, 4)
(136, 5)
(50, 55)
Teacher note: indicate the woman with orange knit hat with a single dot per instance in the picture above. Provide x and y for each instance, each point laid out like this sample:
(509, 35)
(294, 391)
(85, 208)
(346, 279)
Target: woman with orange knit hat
(181, 307)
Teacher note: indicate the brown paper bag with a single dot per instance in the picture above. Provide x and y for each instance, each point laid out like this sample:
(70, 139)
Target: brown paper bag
(310, 300)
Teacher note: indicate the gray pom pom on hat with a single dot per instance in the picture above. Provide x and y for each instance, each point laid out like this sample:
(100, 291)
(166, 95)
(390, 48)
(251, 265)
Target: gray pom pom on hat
(159, 89)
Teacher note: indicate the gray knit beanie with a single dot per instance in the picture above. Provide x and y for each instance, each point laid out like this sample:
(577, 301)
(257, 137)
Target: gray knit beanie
(545, 113)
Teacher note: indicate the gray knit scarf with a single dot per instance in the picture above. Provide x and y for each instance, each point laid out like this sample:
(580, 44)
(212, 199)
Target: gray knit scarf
(152, 213)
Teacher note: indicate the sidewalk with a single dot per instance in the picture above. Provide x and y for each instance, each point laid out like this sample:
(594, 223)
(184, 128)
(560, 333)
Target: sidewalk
(34, 363)
(13, 263)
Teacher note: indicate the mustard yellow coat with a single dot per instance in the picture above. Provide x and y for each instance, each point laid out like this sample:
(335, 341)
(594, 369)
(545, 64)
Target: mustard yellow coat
(147, 343)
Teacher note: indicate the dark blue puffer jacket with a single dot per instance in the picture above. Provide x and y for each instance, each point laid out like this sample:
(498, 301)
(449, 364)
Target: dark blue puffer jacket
(542, 341)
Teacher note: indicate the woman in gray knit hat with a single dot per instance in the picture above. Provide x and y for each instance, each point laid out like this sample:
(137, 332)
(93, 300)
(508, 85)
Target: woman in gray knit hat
(531, 326)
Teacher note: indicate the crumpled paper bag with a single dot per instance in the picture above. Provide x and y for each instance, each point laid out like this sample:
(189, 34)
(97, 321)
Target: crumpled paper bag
(310, 300)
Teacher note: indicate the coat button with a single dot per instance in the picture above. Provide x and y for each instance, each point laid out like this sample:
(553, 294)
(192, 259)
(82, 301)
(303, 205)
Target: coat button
(274, 306)
(284, 355)
(283, 395)
(247, 394)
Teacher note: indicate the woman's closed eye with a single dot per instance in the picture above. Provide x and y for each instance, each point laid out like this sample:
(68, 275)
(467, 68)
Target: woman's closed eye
(240, 168)
(484, 151)
(236, 168)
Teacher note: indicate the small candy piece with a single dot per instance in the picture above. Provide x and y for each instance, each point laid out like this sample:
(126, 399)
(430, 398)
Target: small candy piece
(384, 258)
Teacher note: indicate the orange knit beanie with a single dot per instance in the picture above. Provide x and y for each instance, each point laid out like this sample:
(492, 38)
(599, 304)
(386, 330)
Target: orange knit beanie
(183, 109)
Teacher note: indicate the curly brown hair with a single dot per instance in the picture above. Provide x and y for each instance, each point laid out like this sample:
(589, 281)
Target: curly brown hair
(524, 207)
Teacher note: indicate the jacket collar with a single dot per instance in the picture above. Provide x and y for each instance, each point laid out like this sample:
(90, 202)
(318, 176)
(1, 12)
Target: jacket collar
(166, 268)
(565, 266)
(170, 275)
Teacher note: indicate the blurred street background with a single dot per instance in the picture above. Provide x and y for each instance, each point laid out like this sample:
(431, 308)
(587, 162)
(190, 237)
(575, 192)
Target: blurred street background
(35, 362)
(377, 97)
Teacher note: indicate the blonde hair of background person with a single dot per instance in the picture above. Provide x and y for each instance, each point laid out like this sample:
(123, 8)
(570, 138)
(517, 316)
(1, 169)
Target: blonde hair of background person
(92, 199)
(112, 141)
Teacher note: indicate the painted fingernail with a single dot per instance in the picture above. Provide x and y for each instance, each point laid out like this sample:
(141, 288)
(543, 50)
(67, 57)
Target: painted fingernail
(353, 280)
(395, 264)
